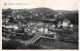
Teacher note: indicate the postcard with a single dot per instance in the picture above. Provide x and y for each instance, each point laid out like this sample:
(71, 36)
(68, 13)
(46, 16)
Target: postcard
(40, 24)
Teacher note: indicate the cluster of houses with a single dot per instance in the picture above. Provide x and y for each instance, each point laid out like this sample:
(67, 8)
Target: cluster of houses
(41, 27)
(65, 24)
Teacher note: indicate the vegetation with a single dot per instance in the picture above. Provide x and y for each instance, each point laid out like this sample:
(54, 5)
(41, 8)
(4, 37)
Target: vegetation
(12, 45)
(33, 46)
(71, 15)
(44, 15)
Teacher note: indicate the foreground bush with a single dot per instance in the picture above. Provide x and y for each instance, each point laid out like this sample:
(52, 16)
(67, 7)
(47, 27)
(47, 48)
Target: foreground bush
(12, 45)
(33, 46)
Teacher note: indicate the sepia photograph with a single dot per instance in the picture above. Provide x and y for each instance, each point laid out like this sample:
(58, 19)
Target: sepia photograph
(38, 24)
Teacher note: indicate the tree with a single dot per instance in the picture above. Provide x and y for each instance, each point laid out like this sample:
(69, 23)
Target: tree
(7, 12)
(11, 19)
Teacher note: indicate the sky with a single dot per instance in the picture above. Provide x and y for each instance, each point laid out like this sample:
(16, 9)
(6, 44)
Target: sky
(29, 4)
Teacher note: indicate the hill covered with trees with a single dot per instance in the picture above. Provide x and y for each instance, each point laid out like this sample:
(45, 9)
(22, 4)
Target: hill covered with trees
(44, 13)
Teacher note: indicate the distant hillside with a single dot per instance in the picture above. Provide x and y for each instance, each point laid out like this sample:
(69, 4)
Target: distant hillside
(67, 12)
(44, 10)
(47, 13)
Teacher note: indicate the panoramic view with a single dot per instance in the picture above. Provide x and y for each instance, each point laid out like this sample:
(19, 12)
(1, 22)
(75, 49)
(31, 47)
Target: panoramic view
(39, 27)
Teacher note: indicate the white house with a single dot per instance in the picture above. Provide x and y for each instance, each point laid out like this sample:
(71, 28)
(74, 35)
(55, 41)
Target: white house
(41, 29)
(15, 27)
(71, 25)
(46, 30)
(65, 23)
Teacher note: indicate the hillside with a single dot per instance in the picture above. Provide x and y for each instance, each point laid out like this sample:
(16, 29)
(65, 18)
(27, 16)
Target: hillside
(45, 13)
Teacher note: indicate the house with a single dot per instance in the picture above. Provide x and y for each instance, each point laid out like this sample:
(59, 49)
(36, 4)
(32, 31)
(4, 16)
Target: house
(46, 30)
(5, 20)
(52, 27)
(41, 29)
(65, 24)
(59, 24)
(15, 27)
(71, 25)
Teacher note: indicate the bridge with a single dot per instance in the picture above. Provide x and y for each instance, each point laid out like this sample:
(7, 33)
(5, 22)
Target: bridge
(32, 40)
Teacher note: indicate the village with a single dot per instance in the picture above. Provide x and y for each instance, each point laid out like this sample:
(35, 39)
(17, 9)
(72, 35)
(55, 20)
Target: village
(29, 32)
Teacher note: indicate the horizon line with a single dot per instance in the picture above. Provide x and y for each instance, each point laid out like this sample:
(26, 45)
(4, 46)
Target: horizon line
(41, 7)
